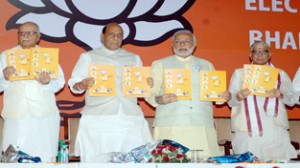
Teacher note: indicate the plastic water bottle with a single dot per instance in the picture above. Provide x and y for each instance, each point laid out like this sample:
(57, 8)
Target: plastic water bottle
(65, 155)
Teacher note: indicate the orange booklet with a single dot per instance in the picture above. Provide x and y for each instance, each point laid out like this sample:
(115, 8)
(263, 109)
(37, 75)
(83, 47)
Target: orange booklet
(212, 85)
(105, 84)
(45, 60)
(259, 79)
(135, 81)
(178, 81)
(21, 61)
(29, 63)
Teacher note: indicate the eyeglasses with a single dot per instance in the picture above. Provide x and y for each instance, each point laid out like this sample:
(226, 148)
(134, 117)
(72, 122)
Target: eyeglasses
(185, 41)
(260, 52)
(29, 33)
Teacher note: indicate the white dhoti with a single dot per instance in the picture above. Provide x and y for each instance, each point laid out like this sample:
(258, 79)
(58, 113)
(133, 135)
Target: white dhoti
(273, 145)
(100, 135)
(192, 137)
(36, 136)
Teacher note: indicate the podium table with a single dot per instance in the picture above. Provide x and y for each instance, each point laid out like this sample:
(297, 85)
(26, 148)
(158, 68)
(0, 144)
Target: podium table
(149, 165)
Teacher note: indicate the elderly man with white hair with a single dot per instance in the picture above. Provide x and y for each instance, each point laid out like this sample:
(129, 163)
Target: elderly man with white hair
(260, 124)
(189, 122)
(31, 117)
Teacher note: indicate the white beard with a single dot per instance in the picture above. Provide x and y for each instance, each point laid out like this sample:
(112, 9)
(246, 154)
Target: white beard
(187, 53)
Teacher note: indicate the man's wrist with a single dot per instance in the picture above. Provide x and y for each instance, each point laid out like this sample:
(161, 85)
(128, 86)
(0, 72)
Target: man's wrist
(156, 99)
(238, 98)
(281, 96)
(6, 77)
(79, 86)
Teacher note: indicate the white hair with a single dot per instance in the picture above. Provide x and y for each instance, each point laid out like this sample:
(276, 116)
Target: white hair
(184, 32)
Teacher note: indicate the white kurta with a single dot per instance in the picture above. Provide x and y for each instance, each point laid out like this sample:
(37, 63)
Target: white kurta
(108, 124)
(98, 136)
(274, 144)
(34, 136)
(296, 84)
(31, 117)
(189, 122)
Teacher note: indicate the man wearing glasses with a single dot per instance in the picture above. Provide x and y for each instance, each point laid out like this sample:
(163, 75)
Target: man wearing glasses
(31, 117)
(260, 124)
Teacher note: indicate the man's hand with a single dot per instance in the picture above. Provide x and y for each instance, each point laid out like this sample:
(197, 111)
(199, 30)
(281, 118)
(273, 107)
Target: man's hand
(8, 72)
(166, 99)
(242, 94)
(150, 82)
(44, 78)
(275, 93)
(226, 95)
(85, 84)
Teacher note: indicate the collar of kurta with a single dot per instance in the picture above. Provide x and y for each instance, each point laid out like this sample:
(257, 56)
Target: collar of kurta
(36, 46)
(186, 59)
(106, 50)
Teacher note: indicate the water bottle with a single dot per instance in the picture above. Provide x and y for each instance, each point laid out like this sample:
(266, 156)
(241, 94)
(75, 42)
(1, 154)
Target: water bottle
(65, 155)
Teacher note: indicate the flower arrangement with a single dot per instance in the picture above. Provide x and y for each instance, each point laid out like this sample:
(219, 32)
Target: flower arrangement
(167, 152)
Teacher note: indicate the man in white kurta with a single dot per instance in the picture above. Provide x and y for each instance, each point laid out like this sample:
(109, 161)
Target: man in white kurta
(108, 124)
(31, 117)
(188, 122)
(296, 84)
(260, 124)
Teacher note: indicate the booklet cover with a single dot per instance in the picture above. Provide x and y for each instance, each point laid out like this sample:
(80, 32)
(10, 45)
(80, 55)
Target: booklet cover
(178, 81)
(135, 81)
(212, 85)
(45, 60)
(259, 79)
(105, 84)
(21, 61)
(29, 63)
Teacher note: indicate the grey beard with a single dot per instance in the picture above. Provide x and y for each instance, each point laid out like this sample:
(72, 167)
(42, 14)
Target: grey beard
(186, 54)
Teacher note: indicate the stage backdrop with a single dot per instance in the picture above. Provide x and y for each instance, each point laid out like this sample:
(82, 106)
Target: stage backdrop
(224, 30)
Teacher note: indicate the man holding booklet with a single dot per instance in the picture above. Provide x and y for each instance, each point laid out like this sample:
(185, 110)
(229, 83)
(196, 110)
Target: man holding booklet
(258, 117)
(31, 117)
(180, 114)
(110, 122)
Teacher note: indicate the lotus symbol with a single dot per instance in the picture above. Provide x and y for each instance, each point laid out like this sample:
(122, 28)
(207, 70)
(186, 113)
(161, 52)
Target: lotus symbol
(145, 22)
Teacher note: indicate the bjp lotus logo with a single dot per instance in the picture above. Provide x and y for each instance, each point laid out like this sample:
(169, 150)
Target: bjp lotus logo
(145, 22)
